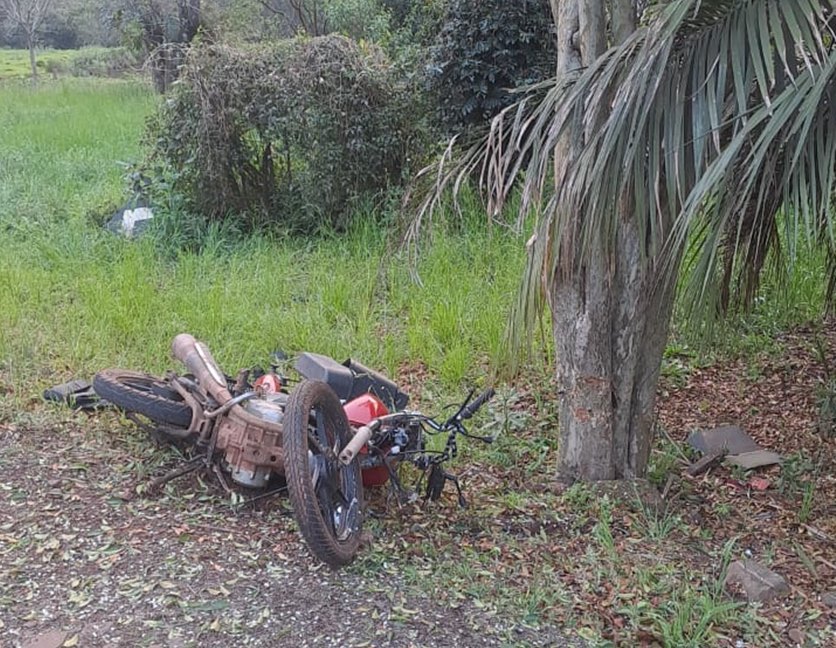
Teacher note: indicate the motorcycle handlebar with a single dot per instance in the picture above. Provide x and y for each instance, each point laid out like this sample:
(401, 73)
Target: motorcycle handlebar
(474, 406)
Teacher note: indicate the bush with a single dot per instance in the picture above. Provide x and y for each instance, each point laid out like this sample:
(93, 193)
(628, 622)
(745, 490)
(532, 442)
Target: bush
(359, 19)
(289, 134)
(485, 49)
(102, 62)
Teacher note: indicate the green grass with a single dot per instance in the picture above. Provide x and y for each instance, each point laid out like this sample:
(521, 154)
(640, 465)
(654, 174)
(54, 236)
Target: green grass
(14, 63)
(792, 292)
(74, 298)
(63, 147)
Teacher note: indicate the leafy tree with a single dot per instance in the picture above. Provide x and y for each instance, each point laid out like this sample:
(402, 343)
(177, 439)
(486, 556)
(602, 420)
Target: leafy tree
(485, 49)
(359, 19)
(705, 140)
(286, 135)
(307, 16)
(27, 16)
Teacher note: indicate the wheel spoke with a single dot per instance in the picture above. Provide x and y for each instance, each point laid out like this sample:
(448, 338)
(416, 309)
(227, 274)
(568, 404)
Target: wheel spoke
(326, 505)
(333, 486)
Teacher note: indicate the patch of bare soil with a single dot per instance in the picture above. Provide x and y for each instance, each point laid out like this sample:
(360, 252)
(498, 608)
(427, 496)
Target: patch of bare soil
(83, 563)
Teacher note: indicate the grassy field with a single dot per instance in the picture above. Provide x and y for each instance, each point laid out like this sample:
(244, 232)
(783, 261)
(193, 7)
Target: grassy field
(76, 298)
(14, 64)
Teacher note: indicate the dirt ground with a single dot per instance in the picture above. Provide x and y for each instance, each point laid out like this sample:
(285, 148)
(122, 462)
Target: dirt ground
(83, 563)
(87, 558)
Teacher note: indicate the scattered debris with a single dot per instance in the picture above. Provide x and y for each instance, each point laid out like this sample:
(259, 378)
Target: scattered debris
(729, 437)
(130, 222)
(760, 483)
(78, 394)
(829, 599)
(709, 461)
(741, 449)
(749, 460)
(759, 583)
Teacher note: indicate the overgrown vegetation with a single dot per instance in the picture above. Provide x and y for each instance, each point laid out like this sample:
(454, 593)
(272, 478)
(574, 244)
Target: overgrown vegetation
(86, 61)
(485, 49)
(290, 135)
(74, 298)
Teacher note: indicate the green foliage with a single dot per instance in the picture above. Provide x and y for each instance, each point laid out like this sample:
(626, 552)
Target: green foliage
(87, 61)
(795, 472)
(290, 135)
(485, 49)
(359, 19)
(578, 496)
(656, 520)
(103, 62)
(602, 531)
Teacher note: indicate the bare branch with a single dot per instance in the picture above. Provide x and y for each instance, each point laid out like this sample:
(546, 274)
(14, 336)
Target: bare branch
(27, 16)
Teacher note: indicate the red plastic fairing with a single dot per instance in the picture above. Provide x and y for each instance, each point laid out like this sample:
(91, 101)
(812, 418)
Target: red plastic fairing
(360, 411)
(364, 409)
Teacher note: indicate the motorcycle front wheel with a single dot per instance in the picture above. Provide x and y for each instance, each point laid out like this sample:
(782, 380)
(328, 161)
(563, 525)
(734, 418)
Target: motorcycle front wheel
(327, 497)
(137, 392)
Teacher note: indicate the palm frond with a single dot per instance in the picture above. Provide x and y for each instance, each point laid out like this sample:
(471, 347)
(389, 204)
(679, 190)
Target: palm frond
(783, 162)
(697, 119)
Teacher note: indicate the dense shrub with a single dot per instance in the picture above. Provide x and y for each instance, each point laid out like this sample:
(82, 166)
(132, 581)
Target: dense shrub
(358, 19)
(486, 48)
(103, 62)
(287, 134)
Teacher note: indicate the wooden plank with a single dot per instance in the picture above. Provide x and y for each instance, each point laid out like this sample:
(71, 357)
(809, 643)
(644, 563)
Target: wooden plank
(708, 461)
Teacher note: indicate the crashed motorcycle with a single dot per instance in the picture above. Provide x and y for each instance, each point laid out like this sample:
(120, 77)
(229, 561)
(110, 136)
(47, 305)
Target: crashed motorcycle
(341, 428)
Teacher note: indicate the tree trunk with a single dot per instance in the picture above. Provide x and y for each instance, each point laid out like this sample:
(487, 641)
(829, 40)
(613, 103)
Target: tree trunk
(189, 19)
(30, 42)
(610, 320)
(610, 315)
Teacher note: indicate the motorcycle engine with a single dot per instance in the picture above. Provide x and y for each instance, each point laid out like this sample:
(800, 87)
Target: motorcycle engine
(253, 453)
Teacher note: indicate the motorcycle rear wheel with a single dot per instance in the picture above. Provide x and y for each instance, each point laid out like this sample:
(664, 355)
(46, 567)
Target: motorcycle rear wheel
(144, 394)
(327, 497)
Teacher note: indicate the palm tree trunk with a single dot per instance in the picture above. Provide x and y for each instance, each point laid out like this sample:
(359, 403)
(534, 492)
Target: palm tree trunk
(609, 316)
(610, 321)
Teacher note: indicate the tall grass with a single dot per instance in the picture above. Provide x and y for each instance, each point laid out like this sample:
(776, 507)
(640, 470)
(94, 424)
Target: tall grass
(75, 298)
(792, 291)
(14, 63)
(63, 146)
